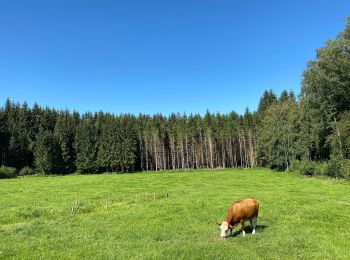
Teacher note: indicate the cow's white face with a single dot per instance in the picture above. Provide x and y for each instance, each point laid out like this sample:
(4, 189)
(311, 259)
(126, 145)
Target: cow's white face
(224, 229)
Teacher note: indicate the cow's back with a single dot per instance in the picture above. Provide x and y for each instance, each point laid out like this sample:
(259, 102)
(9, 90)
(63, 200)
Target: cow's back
(245, 209)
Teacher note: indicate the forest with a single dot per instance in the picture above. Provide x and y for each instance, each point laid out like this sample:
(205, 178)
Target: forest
(309, 132)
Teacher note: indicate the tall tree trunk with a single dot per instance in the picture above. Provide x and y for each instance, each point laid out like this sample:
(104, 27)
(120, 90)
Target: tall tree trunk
(146, 151)
(141, 152)
(155, 150)
(210, 151)
(187, 154)
(223, 153)
(206, 152)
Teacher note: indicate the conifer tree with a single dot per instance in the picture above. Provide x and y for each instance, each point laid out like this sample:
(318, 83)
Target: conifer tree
(86, 143)
(47, 154)
(3, 137)
(65, 133)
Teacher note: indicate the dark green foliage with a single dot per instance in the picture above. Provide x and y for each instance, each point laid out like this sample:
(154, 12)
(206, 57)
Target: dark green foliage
(26, 171)
(48, 154)
(86, 145)
(284, 96)
(335, 167)
(3, 137)
(116, 151)
(17, 122)
(306, 167)
(338, 168)
(103, 142)
(269, 98)
(65, 133)
(7, 172)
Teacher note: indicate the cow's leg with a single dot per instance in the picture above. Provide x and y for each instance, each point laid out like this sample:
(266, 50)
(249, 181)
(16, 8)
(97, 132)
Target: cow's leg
(232, 227)
(254, 220)
(242, 227)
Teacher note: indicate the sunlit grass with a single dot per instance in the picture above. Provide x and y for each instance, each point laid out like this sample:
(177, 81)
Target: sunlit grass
(172, 215)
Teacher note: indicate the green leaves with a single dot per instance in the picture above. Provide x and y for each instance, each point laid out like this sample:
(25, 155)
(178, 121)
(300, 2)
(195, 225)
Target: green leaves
(325, 93)
(278, 134)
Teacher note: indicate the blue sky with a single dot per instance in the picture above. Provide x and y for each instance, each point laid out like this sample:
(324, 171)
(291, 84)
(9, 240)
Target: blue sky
(159, 56)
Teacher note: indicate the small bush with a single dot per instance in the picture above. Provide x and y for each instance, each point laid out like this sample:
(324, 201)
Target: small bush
(338, 168)
(308, 168)
(7, 172)
(346, 169)
(320, 168)
(26, 171)
(295, 166)
(335, 168)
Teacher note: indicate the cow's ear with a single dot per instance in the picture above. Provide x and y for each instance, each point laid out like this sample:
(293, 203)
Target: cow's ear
(219, 223)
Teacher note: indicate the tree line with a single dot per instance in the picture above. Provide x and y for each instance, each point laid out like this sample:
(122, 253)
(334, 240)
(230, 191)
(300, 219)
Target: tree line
(63, 142)
(313, 127)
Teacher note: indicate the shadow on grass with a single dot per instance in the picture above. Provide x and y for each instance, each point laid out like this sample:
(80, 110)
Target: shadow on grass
(249, 229)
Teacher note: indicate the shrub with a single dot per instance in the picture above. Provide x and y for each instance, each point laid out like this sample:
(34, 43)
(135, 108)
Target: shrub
(295, 166)
(337, 168)
(7, 172)
(308, 168)
(333, 169)
(26, 171)
(320, 168)
(346, 169)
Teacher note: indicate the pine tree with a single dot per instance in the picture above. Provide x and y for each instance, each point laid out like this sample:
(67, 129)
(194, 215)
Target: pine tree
(269, 98)
(47, 154)
(65, 133)
(4, 135)
(86, 144)
(284, 96)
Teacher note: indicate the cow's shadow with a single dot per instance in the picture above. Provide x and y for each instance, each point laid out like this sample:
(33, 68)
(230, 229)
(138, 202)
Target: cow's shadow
(248, 230)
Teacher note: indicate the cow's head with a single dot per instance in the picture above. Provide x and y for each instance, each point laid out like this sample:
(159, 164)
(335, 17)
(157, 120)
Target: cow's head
(224, 227)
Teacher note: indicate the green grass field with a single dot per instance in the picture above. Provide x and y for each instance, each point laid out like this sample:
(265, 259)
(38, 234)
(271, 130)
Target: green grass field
(172, 216)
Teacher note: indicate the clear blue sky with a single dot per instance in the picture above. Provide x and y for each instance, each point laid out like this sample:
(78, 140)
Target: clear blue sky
(159, 56)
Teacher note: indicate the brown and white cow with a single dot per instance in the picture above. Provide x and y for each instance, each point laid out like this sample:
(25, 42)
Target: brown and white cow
(239, 212)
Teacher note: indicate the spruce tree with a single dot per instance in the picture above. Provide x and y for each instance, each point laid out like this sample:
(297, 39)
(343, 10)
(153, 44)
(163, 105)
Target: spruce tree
(65, 133)
(48, 154)
(86, 144)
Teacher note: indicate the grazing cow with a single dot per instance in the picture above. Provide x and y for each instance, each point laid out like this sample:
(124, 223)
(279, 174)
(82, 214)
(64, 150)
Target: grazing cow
(239, 212)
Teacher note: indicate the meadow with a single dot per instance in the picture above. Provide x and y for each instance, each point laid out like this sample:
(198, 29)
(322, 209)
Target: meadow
(172, 215)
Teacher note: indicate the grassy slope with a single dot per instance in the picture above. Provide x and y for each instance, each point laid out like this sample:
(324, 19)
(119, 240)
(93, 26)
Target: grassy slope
(299, 217)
